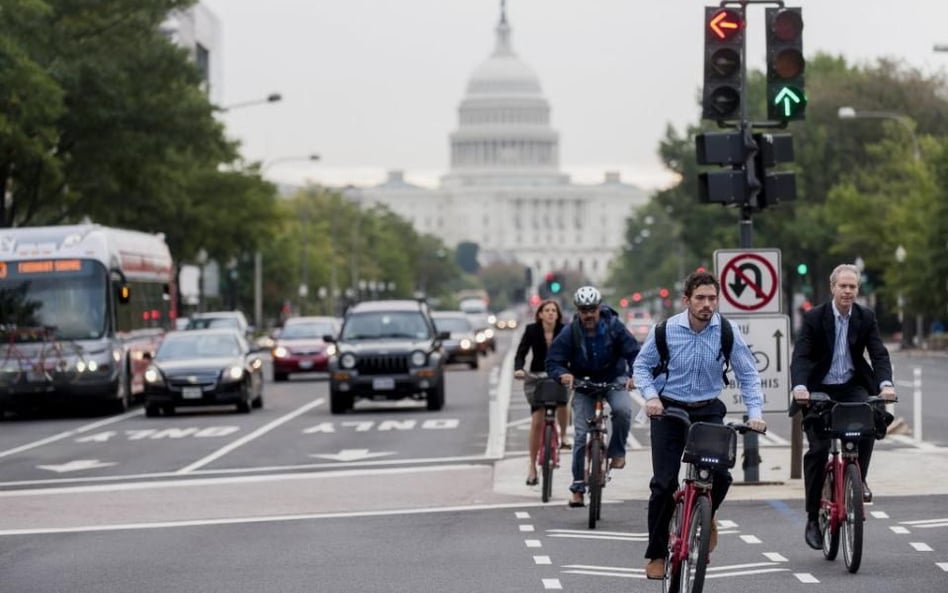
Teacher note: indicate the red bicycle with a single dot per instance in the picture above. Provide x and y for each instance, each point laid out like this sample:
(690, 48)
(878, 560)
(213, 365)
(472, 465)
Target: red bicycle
(709, 447)
(842, 511)
(550, 394)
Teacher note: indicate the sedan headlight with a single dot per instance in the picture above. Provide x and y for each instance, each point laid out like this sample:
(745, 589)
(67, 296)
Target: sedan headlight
(466, 344)
(279, 352)
(347, 360)
(152, 375)
(418, 358)
(234, 373)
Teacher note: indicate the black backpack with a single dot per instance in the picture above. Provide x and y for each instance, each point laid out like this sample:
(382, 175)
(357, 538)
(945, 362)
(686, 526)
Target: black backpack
(661, 342)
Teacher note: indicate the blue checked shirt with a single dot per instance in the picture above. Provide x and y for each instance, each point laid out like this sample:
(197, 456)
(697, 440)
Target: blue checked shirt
(695, 365)
(841, 370)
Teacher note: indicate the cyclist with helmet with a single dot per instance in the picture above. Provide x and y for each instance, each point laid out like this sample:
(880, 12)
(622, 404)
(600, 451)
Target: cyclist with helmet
(595, 346)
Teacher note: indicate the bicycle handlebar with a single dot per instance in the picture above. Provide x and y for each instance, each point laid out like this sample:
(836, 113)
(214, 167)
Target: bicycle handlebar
(682, 416)
(597, 387)
(821, 399)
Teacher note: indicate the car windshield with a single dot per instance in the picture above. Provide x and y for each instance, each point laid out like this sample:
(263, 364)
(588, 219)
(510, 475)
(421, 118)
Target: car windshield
(188, 346)
(375, 325)
(452, 324)
(298, 331)
(215, 322)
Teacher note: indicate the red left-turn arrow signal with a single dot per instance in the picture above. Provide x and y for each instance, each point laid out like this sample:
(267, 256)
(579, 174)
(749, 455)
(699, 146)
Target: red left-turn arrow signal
(725, 23)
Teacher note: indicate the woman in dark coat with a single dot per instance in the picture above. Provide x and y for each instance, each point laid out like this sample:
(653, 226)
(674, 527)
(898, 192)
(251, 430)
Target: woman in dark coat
(537, 337)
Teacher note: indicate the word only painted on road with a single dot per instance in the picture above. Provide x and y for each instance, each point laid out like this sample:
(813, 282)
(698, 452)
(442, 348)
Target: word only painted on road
(160, 433)
(385, 425)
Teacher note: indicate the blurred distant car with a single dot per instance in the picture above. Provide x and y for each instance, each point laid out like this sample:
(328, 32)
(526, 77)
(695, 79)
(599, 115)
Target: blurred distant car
(483, 332)
(299, 347)
(218, 319)
(203, 367)
(507, 319)
(639, 328)
(461, 346)
(181, 323)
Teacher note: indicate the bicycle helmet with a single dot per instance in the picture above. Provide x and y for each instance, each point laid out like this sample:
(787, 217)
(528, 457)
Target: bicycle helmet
(587, 296)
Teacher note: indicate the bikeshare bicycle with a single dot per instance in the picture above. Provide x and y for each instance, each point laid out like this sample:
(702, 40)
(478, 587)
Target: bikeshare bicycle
(709, 447)
(842, 513)
(550, 394)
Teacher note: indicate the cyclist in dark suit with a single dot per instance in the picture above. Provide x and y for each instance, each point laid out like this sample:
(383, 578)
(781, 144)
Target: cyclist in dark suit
(537, 337)
(829, 356)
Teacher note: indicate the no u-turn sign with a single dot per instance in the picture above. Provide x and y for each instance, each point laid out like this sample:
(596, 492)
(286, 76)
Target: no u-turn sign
(750, 280)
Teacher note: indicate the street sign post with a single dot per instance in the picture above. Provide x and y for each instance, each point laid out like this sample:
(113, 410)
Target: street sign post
(750, 281)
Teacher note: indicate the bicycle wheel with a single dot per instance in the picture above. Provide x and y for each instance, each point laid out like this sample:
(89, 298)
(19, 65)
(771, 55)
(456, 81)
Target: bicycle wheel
(827, 505)
(855, 517)
(594, 481)
(547, 465)
(693, 567)
(672, 581)
(12, 365)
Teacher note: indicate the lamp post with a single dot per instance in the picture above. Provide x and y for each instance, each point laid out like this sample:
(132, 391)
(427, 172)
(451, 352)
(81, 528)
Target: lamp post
(271, 98)
(847, 112)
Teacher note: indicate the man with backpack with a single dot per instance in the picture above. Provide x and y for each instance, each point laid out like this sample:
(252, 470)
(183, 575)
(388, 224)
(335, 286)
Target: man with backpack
(687, 371)
(595, 345)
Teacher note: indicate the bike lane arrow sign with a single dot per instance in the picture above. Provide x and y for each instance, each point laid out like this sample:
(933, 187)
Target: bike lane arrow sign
(750, 281)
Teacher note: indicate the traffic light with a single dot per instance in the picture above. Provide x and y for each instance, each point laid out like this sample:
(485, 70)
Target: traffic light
(785, 64)
(723, 69)
(663, 293)
(623, 302)
(554, 284)
(775, 186)
(801, 269)
(728, 185)
(637, 297)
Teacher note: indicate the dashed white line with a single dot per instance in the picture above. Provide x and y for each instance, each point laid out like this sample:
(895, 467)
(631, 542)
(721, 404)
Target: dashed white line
(522, 515)
(751, 539)
(775, 557)
(942, 565)
(726, 524)
(805, 577)
(533, 543)
(899, 529)
(551, 584)
(526, 528)
(880, 514)
(921, 547)
(542, 560)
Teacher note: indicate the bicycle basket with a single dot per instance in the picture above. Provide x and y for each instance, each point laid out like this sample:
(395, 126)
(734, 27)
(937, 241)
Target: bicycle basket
(711, 444)
(550, 391)
(852, 419)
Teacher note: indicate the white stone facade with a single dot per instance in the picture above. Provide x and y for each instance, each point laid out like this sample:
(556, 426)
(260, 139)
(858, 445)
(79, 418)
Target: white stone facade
(505, 190)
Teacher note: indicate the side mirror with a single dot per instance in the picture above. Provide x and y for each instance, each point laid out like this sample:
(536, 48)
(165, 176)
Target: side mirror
(329, 339)
(444, 335)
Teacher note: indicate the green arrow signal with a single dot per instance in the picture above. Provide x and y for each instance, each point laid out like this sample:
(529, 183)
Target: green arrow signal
(790, 99)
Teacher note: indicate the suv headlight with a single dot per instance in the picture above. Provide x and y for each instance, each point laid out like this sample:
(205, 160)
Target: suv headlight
(418, 358)
(152, 375)
(347, 360)
(233, 373)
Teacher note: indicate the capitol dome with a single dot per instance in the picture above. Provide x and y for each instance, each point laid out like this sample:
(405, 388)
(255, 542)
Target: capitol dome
(504, 134)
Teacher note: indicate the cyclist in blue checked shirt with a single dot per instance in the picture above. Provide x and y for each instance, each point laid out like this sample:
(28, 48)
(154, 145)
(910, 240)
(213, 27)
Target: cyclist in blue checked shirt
(693, 381)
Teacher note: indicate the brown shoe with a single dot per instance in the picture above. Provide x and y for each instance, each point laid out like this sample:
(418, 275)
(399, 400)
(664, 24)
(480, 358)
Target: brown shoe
(713, 540)
(655, 569)
(617, 462)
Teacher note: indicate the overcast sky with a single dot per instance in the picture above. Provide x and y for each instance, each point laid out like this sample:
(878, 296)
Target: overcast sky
(374, 85)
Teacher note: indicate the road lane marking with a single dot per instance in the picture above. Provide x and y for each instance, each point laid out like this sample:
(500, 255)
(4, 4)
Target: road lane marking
(775, 557)
(249, 437)
(899, 529)
(542, 560)
(805, 577)
(522, 515)
(751, 539)
(527, 528)
(70, 433)
(551, 584)
(533, 543)
(921, 547)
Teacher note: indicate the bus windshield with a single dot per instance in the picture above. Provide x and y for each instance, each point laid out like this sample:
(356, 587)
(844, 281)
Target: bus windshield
(53, 300)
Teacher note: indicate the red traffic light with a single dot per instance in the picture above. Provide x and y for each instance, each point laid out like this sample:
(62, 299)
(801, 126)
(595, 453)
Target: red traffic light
(663, 292)
(787, 25)
(636, 296)
(549, 276)
(725, 23)
(624, 303)
(701, 269)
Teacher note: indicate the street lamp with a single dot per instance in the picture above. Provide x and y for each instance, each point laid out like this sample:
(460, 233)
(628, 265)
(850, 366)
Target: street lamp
(847, 112)
(287, 159)
(271, 98)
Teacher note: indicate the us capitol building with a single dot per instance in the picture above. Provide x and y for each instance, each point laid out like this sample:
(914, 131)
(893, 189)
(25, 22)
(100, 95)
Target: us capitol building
(504, 190)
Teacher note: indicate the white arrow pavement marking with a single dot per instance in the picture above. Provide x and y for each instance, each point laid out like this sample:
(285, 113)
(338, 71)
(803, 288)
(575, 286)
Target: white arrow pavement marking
(77, 465)
(353, 455)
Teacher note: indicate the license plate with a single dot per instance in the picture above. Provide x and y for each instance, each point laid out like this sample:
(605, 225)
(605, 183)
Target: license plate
(306, 364)
(191, 392)
(383, 384)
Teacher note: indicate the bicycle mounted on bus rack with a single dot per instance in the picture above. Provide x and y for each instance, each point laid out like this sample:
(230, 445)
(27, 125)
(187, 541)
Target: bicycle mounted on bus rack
(550, 394)
(709, 447)
(842, 512)
(35, 359)
(598, 470)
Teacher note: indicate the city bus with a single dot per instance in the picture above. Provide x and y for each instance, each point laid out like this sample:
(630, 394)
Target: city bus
(79, 307)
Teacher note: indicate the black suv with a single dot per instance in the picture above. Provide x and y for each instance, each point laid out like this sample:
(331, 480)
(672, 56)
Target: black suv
(387, 350)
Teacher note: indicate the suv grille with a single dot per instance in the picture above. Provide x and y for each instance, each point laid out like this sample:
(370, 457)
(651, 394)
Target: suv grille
(383, 364)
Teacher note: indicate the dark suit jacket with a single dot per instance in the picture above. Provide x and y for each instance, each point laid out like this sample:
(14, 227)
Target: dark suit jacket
(813, 350)
(532, 339)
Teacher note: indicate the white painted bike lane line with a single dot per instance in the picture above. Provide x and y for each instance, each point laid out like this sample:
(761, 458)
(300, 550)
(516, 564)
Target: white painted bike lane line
(70, 433)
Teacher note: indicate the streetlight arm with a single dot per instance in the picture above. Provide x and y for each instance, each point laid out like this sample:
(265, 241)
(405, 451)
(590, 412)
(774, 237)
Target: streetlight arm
(271, 98)
(287, 159)
(904, 120)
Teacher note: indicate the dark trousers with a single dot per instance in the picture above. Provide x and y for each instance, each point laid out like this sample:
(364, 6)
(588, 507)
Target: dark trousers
(668, 437)
(814, 460)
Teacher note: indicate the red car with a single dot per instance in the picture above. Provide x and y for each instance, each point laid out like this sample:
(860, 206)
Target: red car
(299, 346)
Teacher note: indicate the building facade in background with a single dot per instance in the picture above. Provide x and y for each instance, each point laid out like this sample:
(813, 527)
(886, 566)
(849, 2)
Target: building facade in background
(505, 191)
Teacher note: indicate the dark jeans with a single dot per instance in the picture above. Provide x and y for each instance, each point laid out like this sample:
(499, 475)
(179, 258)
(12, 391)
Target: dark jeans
(668, 444)
(814, 460)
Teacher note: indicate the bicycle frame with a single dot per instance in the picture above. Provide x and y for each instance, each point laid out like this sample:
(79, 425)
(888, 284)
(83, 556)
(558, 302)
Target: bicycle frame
(596, 466)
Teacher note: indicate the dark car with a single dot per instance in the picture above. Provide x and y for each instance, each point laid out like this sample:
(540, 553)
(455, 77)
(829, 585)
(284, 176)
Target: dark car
(483, 332)
(203, 367)
(461, 345)
(387, 350)
(300, 348)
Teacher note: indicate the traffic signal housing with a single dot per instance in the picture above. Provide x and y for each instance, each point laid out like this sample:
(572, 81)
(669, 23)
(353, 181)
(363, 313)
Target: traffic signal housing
(775, 186)
(727, 185)
(723, 67)
(786, 99)
(553, 283)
